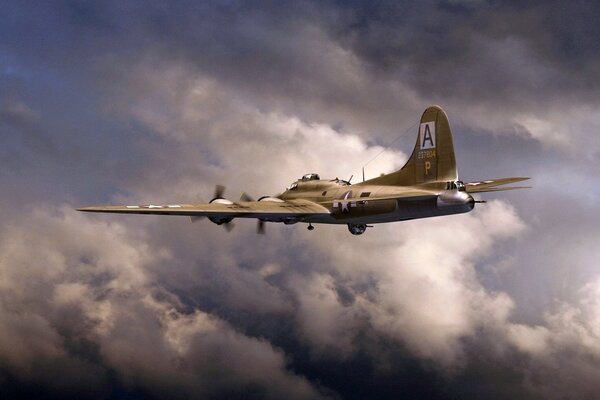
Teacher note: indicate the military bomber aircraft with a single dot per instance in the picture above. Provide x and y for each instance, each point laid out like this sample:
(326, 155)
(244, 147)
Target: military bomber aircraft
(427, 186)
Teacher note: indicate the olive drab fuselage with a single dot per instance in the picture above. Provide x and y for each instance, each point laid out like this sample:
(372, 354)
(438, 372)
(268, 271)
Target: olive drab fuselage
(351, 203)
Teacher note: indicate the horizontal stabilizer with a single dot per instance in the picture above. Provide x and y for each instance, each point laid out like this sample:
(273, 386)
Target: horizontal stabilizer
(491, 185)
(501, 189)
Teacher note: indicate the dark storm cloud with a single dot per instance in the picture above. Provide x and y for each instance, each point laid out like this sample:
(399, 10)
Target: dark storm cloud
(155, 101)
(508, 51)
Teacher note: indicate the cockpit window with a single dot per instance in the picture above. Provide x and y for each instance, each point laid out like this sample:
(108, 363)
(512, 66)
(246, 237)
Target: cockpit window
(293, 186)
(310, 177)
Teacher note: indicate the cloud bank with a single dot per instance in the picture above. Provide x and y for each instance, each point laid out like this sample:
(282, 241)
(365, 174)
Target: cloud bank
(133, 102)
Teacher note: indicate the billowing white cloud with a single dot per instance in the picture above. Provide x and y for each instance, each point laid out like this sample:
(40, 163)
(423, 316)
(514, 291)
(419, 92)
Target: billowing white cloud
(68, 277)
(565, 348)
(246, 148)
(426, 292)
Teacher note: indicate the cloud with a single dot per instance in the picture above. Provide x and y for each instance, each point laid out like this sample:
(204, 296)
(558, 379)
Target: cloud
(87, 281)
(207, 117)
(137, 103)
(564, 347)
(425, 294)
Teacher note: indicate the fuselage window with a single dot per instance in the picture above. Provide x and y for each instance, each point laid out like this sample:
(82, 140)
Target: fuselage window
(365, 194)
(324, 193)
(455, 185)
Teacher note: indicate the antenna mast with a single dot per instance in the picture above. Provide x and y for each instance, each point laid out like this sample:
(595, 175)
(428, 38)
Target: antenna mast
(386, 147)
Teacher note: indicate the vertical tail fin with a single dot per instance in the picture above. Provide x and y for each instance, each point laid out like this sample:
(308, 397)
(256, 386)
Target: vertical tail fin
(433, 156)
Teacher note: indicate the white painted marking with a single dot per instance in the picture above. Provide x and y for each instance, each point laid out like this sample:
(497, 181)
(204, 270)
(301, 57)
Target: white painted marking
(427, 135)
(479, 183)
(174, 206)
(151, 206)
(133, 206)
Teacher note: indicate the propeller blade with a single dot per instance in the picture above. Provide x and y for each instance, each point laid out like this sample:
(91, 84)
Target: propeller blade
(260, 227)
(228, 226)
(246, 197)
(219, 192)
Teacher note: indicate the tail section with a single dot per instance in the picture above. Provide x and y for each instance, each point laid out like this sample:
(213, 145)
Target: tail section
(433, 156)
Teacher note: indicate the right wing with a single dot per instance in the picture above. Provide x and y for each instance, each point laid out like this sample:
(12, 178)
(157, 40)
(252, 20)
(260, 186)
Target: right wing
(275, 211)
(491, 185)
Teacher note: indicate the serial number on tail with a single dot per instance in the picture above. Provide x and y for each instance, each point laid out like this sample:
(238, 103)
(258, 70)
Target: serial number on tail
(426, 154)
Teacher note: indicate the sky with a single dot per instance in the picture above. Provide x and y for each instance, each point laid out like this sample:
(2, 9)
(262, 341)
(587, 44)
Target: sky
(157, 102)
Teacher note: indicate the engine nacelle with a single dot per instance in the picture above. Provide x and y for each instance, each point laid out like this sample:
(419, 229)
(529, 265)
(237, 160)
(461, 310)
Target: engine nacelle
(220, 221)
(269, 198)
(220, 200)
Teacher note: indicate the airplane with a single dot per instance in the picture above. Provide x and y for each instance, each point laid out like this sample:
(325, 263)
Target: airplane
(426, 186)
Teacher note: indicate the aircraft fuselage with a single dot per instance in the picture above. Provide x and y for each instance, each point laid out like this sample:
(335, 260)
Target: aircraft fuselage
(349, 204)
(426, 186)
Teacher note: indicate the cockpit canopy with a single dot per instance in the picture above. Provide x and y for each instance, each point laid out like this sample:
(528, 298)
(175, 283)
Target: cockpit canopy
(305, 178)
(310, 177)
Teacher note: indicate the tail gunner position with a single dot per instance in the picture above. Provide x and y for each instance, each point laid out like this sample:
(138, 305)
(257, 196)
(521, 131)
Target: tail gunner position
(427, 186)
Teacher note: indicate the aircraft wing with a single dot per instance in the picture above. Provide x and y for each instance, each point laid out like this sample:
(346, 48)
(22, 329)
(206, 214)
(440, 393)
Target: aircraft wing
(491, 185)
(265, 210)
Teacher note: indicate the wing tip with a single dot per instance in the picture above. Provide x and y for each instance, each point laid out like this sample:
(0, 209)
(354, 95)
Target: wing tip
(92, 209)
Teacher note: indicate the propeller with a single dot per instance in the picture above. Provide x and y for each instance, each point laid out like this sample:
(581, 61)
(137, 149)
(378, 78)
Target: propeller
(219, 192)
(246, 197)
(260, 227)
(260, 224)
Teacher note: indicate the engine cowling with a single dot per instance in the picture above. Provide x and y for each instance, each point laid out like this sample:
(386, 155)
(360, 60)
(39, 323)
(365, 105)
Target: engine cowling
(220, 200)
(269, 198)
(220, 221)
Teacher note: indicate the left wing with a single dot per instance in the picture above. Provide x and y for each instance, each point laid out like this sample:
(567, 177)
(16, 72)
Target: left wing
(491, 185)
(265, 210)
